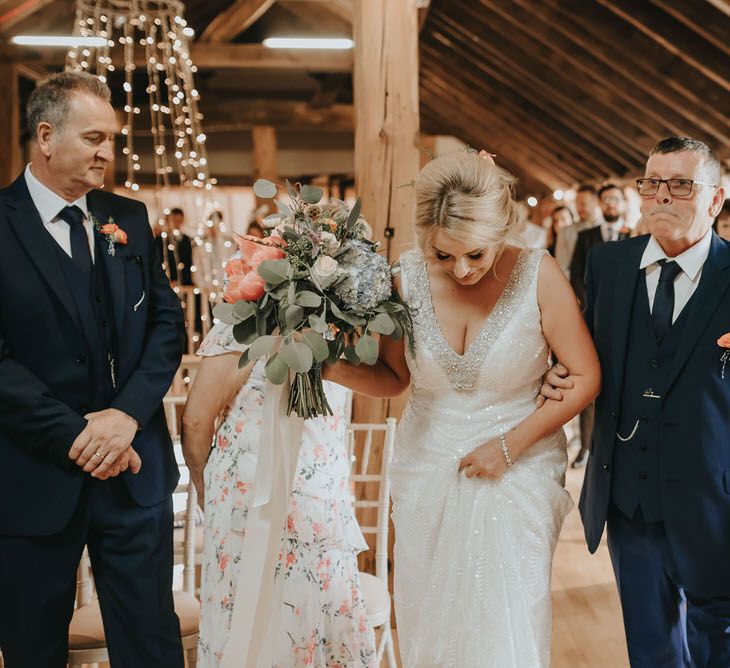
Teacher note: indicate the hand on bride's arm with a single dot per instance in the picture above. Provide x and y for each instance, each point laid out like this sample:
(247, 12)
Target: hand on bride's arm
(216, 384)
(555, 380)
(486, 461)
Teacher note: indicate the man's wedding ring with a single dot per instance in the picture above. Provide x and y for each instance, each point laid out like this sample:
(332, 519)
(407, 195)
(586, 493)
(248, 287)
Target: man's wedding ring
(98, 454)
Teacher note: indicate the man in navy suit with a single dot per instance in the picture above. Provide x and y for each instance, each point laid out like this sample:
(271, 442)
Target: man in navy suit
(659, 477)
(90, 338)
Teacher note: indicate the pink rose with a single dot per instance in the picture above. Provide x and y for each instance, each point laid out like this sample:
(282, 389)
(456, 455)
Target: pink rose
(265, 253)
(236, 268)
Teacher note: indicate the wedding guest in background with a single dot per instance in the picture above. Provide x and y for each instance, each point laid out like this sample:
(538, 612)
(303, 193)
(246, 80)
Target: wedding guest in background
(90, 339)
(323, 616)
(561, 217)
(179, 249)
(722, 222)
(589, 215)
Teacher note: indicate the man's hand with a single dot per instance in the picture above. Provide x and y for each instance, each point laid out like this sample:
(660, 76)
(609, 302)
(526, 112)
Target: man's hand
(129, 459)
(555, 380)
(108, 434)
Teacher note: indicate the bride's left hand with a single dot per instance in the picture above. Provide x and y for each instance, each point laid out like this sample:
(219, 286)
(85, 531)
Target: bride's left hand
(486, 461)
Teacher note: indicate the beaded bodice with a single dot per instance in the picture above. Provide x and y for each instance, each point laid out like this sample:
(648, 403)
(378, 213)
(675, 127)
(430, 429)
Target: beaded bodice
(509, 331)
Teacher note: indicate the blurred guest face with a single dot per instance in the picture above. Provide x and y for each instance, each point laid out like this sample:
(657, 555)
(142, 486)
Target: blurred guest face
(677, 223)
(76, 157)
(561, 219)
(176, 220)
(723, 227)
(586, 205)
(462, 262)
(613, 204)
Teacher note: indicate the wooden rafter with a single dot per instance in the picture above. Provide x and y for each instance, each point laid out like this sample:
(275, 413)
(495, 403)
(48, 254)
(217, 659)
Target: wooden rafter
(14, 12)
(552, 93)
(234, 20)
(674, 37)
(707, 21)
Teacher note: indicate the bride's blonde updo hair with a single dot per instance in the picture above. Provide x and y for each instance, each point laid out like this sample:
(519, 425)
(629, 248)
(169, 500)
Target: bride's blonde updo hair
(471, 199)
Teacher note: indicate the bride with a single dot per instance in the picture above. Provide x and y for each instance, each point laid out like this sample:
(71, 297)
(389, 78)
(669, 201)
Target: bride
(478, 476)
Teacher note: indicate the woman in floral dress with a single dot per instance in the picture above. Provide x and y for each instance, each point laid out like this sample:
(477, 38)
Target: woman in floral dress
(323, 621)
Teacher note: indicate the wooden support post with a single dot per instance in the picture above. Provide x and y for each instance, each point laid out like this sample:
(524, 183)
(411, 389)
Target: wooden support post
(10, 165)
(264, 158)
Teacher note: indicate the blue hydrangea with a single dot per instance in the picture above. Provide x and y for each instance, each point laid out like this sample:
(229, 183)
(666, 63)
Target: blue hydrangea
(366, 280)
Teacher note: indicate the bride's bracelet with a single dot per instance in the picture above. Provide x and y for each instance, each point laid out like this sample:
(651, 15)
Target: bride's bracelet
(505, 449)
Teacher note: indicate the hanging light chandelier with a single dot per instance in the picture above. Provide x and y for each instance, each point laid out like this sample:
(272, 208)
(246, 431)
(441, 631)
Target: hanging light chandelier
(148, 44)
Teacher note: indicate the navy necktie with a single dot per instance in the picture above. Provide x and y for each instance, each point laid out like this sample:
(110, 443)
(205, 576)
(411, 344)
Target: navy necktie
(80, 252)
(664, 299)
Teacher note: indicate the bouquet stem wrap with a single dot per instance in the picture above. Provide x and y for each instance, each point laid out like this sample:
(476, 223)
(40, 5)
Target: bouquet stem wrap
(255, 619)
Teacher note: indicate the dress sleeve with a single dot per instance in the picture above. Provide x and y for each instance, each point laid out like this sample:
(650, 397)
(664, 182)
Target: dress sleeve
(219, 341)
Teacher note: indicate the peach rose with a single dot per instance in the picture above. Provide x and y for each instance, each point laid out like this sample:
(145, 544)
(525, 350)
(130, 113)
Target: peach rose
(236, 268)
(120, 236)
(248, 245)
(724, 341)
(109, 228)
(252, 287)
(265, 253)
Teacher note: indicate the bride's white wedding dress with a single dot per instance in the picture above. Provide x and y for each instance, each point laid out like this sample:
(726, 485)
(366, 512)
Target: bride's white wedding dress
(473, 556)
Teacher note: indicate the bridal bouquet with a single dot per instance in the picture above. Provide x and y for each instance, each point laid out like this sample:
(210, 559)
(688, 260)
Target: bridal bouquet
(313, 290)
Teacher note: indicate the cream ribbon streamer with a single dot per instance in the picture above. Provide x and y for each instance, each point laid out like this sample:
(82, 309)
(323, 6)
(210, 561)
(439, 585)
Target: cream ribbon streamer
(255, 618)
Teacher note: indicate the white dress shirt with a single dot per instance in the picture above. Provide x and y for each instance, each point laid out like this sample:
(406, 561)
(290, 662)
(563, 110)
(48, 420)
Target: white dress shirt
(686, 282)
(49, 205)
(611, 231)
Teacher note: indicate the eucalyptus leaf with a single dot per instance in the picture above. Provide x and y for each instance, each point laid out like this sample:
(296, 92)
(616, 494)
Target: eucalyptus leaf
(290, 190)
(347, 317)
(264, 189)
(244, 360)
(262, 346)
(317, 345)
(284, 209)
(317, 324)
(354, 214)
(291, 293)
(397, 331)
(311, 194)
(382, 324)
(276, 370)
(245, 332)
(297, 356)
(261, 327)
(351, 355)
(272, 219)
(274, 271)
(243, 310)
(294, 315)
(224, 313)
(336, 347)
(308, 299)
(367, 349)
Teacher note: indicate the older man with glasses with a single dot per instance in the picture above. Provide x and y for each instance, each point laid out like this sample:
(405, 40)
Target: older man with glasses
(658, 307)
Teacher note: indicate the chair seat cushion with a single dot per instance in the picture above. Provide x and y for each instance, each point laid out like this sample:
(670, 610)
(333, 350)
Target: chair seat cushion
(377, 599)
(87, 632)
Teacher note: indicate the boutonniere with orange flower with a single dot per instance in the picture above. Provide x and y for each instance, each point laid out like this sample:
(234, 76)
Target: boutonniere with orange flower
(724, 343)
(114, 234)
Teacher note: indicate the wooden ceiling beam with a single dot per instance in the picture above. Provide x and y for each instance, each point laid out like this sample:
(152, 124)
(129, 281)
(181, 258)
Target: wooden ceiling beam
(654, 117)
(526, 123)
(16, 11)
(547, 90)
(233, 20)
(533, 177)
(674, 37)
(707, 21)
(342, 9)
(474, 114)
(207, 56)
(669, 78)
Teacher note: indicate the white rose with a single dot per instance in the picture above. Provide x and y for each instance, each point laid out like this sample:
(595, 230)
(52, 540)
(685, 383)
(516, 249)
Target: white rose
(325, 270)
(329, 241)
(365, 230)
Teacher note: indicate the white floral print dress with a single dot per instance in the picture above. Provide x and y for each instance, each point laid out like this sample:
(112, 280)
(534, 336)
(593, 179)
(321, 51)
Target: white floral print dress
(323, 621)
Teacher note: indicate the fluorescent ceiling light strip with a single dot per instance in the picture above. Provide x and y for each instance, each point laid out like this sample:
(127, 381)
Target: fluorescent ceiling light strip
(308, 43)
(58, 40)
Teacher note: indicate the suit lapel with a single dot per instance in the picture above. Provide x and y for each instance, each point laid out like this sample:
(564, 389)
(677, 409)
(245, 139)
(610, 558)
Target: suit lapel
(28, 226)
(113, 264)
(624, 289)
(714, 282)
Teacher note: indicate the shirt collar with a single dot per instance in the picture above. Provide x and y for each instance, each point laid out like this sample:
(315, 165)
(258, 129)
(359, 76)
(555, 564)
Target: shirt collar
(690, 262)
(49, 203)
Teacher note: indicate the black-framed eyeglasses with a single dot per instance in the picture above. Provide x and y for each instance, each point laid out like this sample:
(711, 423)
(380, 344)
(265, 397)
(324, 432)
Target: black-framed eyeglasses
(676, 187)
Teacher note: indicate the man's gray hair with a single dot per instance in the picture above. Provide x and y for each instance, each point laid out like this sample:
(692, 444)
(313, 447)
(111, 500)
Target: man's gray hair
(50, 101)
(681, 144)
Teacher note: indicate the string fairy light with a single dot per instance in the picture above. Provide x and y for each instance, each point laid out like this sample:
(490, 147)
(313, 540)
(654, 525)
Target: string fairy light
(153, 35)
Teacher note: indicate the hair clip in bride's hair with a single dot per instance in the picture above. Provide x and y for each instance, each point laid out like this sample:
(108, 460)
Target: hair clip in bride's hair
(489, 157)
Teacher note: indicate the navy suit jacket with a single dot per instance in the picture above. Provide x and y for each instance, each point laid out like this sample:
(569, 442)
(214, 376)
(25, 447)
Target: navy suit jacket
(694, 444)
(44, 385)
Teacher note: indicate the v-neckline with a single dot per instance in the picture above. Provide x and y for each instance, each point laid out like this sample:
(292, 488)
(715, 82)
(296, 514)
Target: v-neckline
(487, 319)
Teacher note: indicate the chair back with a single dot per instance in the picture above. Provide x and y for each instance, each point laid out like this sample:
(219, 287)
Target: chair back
(363, 481)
